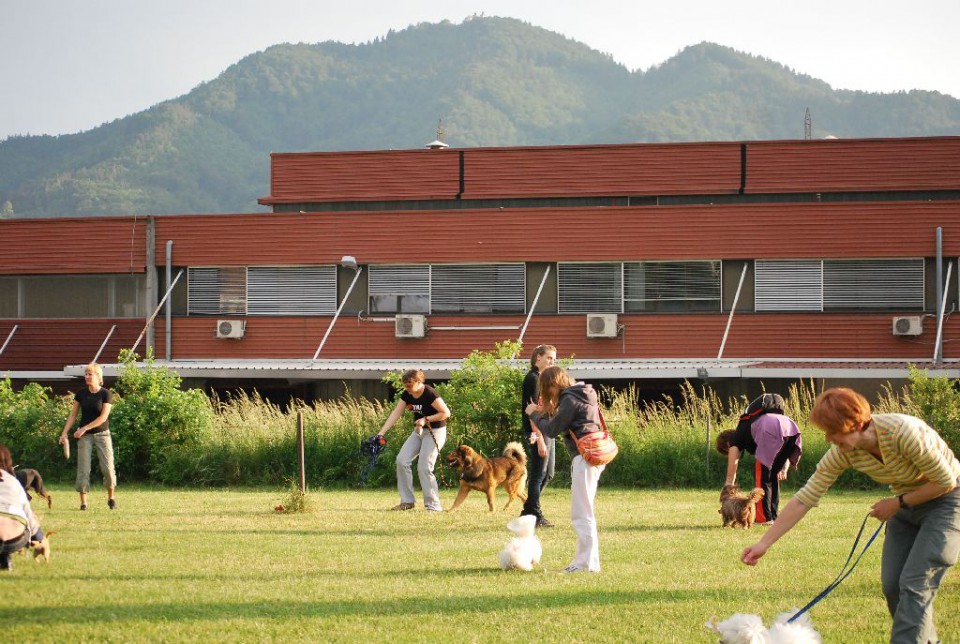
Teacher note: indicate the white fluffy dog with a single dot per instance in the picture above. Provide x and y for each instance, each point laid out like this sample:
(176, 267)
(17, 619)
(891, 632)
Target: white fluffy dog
(523, 550)
(742, 628)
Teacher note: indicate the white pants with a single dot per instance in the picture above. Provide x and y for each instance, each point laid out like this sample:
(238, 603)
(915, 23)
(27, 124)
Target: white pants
(583, 488)
(422, 446)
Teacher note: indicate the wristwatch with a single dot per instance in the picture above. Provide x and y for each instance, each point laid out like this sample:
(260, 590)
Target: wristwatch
(903, 504)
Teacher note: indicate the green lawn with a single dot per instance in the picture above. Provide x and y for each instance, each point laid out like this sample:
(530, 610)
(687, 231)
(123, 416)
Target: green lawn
(221, 565)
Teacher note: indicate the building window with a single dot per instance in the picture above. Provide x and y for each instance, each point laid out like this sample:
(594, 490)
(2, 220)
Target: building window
(291, 290)
(788, 285)
(447, 288)
(590, 287)
(873, 284)
(478, 288)
(671, 286)
(262, 290)
(73, 296)
(399, 289)
(839, 284)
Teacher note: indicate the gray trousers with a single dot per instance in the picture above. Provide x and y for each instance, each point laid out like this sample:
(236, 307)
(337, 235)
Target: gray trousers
(920, 546)
(421, 446)
(104, 444)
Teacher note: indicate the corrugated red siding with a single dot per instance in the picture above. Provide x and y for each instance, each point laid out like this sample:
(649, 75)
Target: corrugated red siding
(364, 176)
(853, 165)
(82, 245)
(752, 335)
(770, 231)
(847, 165)
(648, 169)
(49, 345)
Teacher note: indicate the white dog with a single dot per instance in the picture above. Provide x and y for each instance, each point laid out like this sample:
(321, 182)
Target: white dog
(742, 628)
(523, 550)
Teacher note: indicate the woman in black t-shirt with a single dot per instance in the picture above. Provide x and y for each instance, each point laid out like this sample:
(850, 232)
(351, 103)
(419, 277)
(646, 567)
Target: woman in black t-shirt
(93, 402)
(429, 434)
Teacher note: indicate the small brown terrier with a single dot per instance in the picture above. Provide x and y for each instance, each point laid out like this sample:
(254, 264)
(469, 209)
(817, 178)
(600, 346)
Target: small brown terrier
(737, 508)
(485, 474)
(40, 548)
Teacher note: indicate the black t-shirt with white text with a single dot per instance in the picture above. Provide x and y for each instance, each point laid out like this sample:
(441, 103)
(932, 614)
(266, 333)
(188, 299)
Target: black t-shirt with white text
(422, 406)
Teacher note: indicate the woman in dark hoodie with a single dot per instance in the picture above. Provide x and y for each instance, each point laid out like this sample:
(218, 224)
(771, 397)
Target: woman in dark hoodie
(565, 406)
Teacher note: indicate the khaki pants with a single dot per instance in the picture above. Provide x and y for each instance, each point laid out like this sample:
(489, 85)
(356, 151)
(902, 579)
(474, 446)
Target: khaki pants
(104, 444)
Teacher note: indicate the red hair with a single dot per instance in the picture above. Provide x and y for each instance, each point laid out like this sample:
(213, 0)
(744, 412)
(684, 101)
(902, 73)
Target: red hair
(840, 411)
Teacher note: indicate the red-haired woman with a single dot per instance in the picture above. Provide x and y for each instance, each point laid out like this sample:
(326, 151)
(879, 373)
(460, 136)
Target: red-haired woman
(923, 516)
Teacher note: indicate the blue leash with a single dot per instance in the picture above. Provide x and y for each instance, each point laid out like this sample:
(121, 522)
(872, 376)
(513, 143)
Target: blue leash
(844, 571)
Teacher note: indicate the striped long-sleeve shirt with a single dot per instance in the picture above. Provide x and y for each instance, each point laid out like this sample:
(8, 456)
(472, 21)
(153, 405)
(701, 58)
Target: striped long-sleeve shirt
(913, 454)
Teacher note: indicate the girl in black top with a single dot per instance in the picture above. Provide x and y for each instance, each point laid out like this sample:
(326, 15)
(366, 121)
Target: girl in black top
(429, 434)
(93, 402)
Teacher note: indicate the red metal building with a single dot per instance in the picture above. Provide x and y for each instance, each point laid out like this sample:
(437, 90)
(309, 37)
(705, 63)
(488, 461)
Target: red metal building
(738, 262)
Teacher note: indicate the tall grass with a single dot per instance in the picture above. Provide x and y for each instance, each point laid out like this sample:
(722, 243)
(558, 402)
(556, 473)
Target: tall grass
(663, 443)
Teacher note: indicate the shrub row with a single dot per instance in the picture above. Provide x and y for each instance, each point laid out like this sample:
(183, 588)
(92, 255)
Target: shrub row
(172, 436)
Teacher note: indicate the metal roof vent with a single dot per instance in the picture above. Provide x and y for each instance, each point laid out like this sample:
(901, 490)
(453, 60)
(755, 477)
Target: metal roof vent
(438, 144)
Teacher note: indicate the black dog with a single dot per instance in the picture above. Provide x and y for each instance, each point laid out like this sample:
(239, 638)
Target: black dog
(31, 479)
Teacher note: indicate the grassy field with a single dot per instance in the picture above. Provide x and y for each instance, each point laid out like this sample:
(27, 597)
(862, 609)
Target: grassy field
(222, 565)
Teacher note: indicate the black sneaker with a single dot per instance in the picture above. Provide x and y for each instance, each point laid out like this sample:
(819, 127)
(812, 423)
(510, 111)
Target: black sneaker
(112, 504)
(83, 507)
(544, 522)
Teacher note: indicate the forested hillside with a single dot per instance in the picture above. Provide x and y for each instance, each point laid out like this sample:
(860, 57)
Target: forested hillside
(493, 81)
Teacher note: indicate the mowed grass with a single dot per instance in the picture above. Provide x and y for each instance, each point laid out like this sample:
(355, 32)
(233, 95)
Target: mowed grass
(222, 565)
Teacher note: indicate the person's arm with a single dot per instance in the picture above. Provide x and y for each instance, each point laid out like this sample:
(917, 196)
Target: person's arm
(557, 424)
(99, 420)
(788, 517)
(536, 437)
(393, 417)
(70, 419)
(886, 508)
(442, 412)
(733, 460)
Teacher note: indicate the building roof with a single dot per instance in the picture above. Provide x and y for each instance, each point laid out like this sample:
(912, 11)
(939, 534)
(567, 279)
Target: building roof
(632, 369)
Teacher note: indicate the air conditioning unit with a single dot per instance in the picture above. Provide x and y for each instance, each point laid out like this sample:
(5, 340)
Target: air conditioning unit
(231, 328)
(410, 326)
(601, 325)
(908, 325)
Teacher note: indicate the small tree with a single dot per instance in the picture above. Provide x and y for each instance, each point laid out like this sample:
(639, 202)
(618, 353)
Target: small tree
(936, 400)
(154, 419)
(484, 397)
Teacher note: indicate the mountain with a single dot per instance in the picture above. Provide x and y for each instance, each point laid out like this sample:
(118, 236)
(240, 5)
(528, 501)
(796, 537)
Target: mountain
(493, 81)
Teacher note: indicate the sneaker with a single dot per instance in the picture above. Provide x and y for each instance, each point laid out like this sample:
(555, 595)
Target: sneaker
(544, 522)
(403, 506)
(83, 507)
(112, 504)
(569, 570)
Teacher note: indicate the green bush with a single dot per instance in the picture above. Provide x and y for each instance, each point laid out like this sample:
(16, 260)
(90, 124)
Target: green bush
(165, 434)
(30, 424)
(154, 422)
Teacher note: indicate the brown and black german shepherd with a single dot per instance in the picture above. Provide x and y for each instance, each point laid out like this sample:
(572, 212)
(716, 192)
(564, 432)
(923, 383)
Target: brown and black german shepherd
(485, 474)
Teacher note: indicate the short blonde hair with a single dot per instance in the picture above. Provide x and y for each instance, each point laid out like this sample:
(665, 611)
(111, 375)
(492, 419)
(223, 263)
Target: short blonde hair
(840, 411)
(96, 369)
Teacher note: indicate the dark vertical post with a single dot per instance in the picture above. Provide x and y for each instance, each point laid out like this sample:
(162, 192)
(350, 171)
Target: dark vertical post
(303, 469)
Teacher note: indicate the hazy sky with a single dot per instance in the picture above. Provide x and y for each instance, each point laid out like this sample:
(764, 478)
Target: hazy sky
(70, 65)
